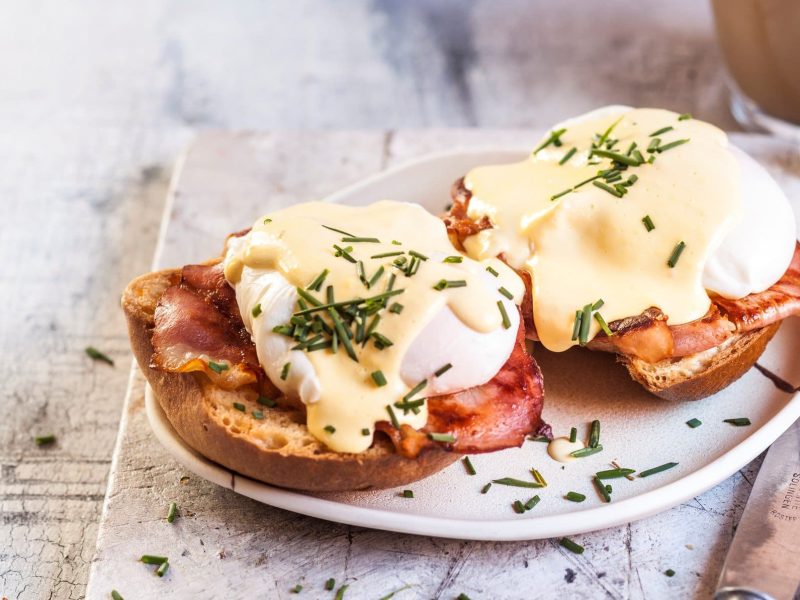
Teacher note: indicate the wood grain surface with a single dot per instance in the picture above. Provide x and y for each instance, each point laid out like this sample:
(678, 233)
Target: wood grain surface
(98, 98)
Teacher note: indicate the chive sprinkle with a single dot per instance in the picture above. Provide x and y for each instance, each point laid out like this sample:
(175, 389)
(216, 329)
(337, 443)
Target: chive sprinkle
(258, 415)
(388, 254)
(453, 259)
(340, 592)
(239, 406)
(583, 334)
(298, 588)
(354, 239)
(318, 281)
(740, 422)
(396, 308)
(554, 138)
(345, 339)
(492, 271)
(330, 429)
(442, 370)
(393, 417)
(531, 503)
(486, 488)
(503, 314)
(339, 231)
(599, 304)
(376, 277)
(415, 390)
(365, 431)
(584, 452)
(575, 497)
(576, 327)
(604, 491)
(468, 466)
(594, 434)
(44, 440)
(447, 438)
(408, 494)
(217, 367)
(617, 157)
(151, 559)
(115, 595)
(607, 188)
(450, 283)
(172, 512)
(396, 243)
(571, 546)
(662, 130)
(268, 402)
(608, 131)
(348, 303)
(162, 569)
(573, 188)
(669, 573)
(285, 371)
(568, 155)
(378, 378)
(506, 293)
(573, 435)
(330, 584)
(614, 473)
(694, 423)
(95, 354)
(518, 507)
(648, 223)
(676, 254)
(538, 477)
(462, 596)
(658, 469)
(603, 325)
(510, 481)
(684, 117)
(671, 145)
(416, 254)
(256, 310)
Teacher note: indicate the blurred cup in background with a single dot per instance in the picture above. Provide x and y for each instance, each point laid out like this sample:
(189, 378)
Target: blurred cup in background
(760, 41)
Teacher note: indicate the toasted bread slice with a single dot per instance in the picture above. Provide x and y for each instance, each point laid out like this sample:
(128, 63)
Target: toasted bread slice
(278, 449)
(702, 374)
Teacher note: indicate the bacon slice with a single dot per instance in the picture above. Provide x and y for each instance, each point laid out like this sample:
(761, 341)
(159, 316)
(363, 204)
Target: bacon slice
(498, 414)
(459, 225)
(197, 321)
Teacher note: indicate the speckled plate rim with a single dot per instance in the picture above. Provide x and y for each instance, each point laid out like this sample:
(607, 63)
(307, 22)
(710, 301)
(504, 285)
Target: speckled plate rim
(568, 523)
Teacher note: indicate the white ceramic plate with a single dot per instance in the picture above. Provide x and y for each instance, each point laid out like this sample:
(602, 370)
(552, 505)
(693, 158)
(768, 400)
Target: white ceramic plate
(638, 430)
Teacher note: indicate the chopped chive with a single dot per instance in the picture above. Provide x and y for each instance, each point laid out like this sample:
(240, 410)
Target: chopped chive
(256, 310)
(571, 546)
(450, 283)
(594, 434)
(330, 584)
(268, 402)
(361, 274)
(396, 308)
(576, 327)
(381, 341)
(518, 507)
(343, 337)
(267, 221)
(607, 188)
(338, 231)
(599, 304)
(575, 497)
(354, 239)
(567, 156)
(614, 473)
(172, 512)
(492, 271)
(447, 438)
(632, 179)
(684, 117)
(658, 469)
(416, 389)
(532, 502)
(283, 329)
(408, 494)
(162, 569)
(388, 254)
(554, 138)
(588, 451)
(258, 415)
(95, 354)
(676, 254)
(631, 148)
(651, 159)
(217, 367)
(671, 145)
(393, 417)
(538, 477)
(365, 431)
(378, 378)
(669, 573)
(151, 559)
(638, 156)
(318, 281)
(621, 188)
(662, 130)
(442, 370)
(348, 303)
(653, 145)
(739, 422)
(486, 488)
(573, 435)
(344, 253)
(44, 440)
(602, 489)
(693, 423)
(239, 406)
(574, 187)
(603, 325)
(586, 318)
(285, 371)
(115, 595)
(506, 293)
(503, 314)
(416, 254)
(617, 157)
(608, 131)
(376, 277)
(396, 243)
(648, 223)
(330, 429)
(298, 588)
(517, 482)
(340, 592)
(468, 466)
(453, 259)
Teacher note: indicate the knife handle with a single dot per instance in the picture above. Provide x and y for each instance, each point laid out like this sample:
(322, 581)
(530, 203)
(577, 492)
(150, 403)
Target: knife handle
(741, 594)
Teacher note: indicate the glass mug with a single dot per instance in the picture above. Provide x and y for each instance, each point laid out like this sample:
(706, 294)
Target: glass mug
(760, 41)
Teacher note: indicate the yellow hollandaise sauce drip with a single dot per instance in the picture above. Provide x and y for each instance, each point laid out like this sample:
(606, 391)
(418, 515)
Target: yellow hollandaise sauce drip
(620, 205)
(364, 281)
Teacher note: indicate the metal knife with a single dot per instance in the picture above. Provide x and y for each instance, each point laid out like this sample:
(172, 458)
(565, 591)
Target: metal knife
(763, 562)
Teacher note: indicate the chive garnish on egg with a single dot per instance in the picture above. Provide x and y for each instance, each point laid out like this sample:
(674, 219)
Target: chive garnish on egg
(285, 371)
(318, 281)
(586, 317)
(671, 145)
(631, 161)
(684, 117)
(662, 130)
(442, 370)
(396, 308)
(607, 188)
(506, 293)
(365, 431)
(453, 259)
(330, 429)
(392, 417)
(648, 223)
(339, 231)
(567, 156)
(554, 138)
(503, 314)
(603, 325)
(354, 239)
(492, 271)
(256, 310)
(388, 254)
(450, 283)
(676, 254)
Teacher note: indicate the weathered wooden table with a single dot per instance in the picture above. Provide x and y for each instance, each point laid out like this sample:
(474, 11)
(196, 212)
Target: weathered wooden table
(97, 100)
